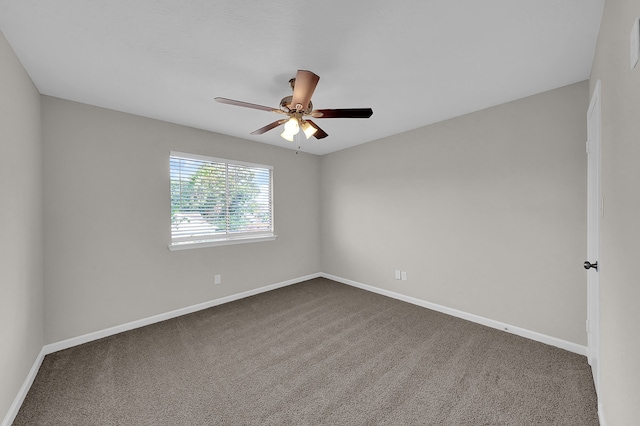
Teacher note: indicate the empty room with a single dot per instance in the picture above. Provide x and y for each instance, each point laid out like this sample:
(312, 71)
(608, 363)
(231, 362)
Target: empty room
(288, 212)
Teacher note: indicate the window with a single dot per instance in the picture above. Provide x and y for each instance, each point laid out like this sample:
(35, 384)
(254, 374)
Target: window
(216, 201)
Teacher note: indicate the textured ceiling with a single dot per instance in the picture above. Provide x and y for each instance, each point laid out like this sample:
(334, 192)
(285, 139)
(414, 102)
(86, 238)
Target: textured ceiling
(415, 62)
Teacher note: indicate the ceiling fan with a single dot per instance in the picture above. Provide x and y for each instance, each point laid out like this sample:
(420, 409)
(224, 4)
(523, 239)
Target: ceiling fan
(299, 106)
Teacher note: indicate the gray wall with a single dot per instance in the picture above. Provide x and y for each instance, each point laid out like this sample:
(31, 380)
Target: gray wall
(620, 241)
(21, 282)
(486, 212)
(107, 220)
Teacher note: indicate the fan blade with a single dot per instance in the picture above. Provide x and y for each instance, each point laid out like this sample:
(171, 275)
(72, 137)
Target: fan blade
(342, 113)
(246, 105)
(269, 127)
(319, 134)
(306, 82)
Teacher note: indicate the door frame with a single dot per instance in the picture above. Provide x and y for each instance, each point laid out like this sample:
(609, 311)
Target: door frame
(594, 218)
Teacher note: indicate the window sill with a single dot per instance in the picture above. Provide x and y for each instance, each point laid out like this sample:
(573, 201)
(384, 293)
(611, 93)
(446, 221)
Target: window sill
(216, 243)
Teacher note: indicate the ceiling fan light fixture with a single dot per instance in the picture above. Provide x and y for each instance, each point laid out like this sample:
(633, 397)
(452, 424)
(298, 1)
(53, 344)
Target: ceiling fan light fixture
(291, 128)
(308, 129)
(287, 136)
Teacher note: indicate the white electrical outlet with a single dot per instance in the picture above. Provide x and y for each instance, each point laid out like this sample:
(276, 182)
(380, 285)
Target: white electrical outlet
(404, 275)
(634, 43)
(397, 274)
(217, 279)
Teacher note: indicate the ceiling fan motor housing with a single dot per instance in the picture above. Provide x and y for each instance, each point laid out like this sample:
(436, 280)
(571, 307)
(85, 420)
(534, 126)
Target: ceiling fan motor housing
(285, 105)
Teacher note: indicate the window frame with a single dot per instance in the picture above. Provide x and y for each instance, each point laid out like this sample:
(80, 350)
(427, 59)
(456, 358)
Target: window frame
(211, 240)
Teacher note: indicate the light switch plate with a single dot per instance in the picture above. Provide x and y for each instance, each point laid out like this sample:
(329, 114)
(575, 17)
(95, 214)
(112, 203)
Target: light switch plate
(634, 43)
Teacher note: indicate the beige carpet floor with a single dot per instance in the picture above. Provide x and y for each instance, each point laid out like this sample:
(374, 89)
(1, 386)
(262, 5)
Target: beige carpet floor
(318, 352)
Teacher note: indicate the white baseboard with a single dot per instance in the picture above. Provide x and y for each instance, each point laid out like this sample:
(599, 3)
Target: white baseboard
(89, 337)
(601, 415)
(24, 389)
(539, 337)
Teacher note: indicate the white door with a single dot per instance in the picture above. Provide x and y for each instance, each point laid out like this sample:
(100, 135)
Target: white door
(594, 212)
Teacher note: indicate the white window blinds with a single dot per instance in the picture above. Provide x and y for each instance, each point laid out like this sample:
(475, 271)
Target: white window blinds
(213, 199)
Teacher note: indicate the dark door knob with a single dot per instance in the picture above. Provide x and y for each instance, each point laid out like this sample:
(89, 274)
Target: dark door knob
(588, 265)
